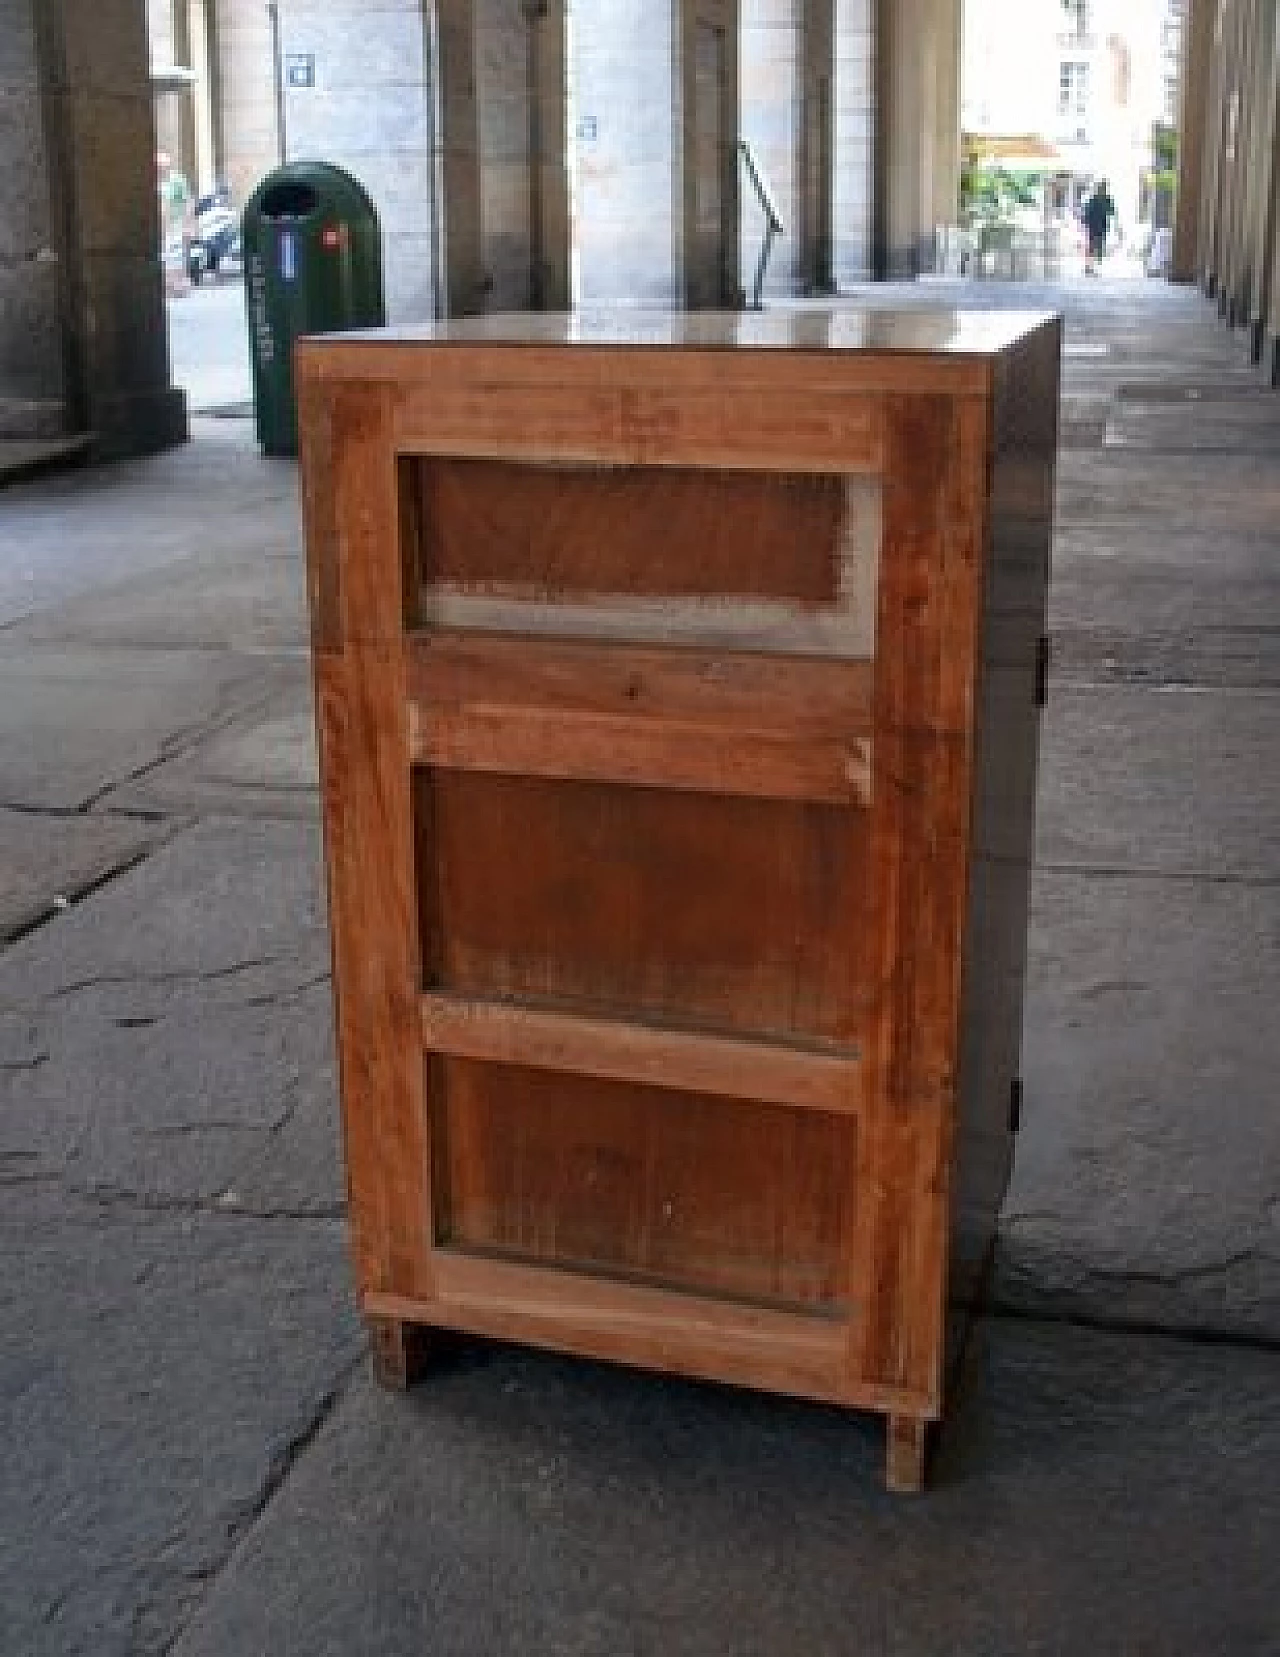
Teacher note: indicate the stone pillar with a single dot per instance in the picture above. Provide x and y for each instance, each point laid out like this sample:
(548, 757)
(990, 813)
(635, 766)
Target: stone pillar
(625, 158)
(1263, 140)
(463, 289)
(772, 74)
(948, 62)
(817, 147)
(206, 161)
(357, 93)
(1193, 131)
(83, 345)
(917, 155)
(854, 140)
(245, 112)
(786, 79)
(523, 183)
(654, 173)
(708, 227)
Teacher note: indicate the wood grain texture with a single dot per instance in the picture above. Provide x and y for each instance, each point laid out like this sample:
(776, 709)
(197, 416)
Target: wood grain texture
(400, 1351)
(720, 723)
(906, 1449)
(644, 903)
(783, 431)
(372, 914)
(552, 531)
(930, 604)
(688, 1189)
(689, 1061)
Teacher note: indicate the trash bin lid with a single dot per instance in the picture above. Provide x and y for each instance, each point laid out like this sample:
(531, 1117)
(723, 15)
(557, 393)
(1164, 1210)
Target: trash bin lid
(302, 189)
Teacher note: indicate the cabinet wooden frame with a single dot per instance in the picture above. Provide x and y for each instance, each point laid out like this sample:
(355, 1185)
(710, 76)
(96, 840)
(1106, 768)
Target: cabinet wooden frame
(820, 852)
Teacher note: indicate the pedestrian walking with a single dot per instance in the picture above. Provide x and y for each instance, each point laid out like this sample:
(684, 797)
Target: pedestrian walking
(1099, 211)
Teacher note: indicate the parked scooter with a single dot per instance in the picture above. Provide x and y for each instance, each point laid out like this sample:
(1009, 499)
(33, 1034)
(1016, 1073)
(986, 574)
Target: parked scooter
(217, 234)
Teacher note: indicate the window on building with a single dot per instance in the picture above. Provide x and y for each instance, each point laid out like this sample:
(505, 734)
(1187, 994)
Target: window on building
(1171, 100)
(1073, 88)
(1076, 16)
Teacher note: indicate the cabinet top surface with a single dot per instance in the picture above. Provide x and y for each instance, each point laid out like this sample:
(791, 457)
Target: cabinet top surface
(930, 332)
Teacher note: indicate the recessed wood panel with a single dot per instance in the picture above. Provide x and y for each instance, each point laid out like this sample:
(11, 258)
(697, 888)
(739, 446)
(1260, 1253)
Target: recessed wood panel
(691, 1191)
(574, 534)
(726, 913)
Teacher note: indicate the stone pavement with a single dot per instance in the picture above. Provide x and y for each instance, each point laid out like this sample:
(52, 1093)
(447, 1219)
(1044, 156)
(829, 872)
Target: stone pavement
(195, 1460)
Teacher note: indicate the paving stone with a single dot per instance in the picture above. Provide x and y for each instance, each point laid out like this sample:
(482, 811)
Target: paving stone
(1145, 1182)
(75, 720)
(230, 914)
(264, 764)
(171, 1038)
(237, 603)
(1180, 781)
(158, 1372)
(83, 530)
(45, 860)
(1094, 1494)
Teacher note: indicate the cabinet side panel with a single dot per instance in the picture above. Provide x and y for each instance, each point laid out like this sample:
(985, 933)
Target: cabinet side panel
(1016, 589)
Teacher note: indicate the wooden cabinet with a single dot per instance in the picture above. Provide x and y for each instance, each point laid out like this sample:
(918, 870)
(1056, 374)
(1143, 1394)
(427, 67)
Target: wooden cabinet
(677, 694)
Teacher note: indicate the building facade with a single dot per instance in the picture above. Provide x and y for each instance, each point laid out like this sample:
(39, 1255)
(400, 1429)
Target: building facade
(1088, 78)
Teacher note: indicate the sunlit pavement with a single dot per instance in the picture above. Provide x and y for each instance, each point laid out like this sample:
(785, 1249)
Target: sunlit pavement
(209, 345)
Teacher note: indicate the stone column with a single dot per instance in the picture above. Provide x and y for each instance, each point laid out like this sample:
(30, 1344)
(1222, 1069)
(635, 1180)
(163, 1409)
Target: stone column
(623, 177)
(1264, 134)
(1193, 130)
(357, 92)
(523, 185)
(708, 215)
(772, 78)
(853, 122)
(917, 136)
(83, 344)
(654, 176)
(948, 61)
(900, 140)
(463, 289)
(246, 98)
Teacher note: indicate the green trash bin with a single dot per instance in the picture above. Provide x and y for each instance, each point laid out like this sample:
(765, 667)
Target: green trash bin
(312, 265)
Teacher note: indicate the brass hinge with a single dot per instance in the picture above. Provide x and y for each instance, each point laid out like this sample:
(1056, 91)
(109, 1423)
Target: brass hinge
(1042, 670)
(1015, 1104)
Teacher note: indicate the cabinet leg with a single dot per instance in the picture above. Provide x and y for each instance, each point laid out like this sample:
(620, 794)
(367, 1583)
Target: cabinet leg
(401, 1352)
(907, 1443)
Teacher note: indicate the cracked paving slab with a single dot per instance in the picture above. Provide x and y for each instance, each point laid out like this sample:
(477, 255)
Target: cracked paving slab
(157, 1374)
(517, 1502)
(170, 1040)
(266, 763)
(1146, 1185)
(47, 860)
(74, 721)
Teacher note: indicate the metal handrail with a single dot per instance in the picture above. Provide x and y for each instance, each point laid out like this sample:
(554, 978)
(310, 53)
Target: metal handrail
(773, 225)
